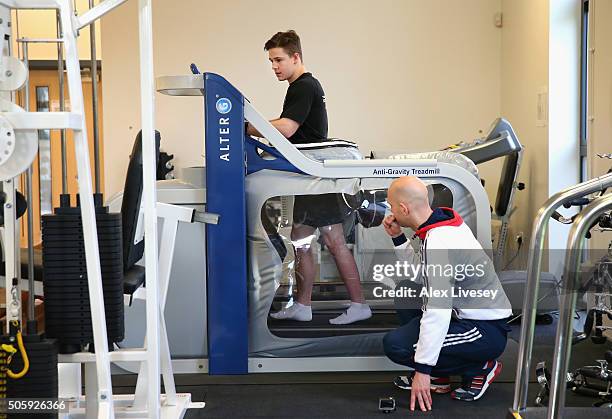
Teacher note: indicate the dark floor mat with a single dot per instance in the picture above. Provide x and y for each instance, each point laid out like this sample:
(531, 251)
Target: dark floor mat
(348, 400)
(355, 394)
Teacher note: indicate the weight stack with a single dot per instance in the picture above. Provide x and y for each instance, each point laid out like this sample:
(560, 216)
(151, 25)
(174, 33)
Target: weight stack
(67, 309)
(41, 380)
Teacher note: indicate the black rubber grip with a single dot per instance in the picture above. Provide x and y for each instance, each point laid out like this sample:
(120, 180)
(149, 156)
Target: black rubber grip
(588, 323)
(577, 202)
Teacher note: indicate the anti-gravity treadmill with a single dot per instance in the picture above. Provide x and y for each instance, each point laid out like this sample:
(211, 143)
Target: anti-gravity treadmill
(228, 277)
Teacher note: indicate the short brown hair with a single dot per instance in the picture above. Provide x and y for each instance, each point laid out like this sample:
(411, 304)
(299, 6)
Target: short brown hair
(289, 41)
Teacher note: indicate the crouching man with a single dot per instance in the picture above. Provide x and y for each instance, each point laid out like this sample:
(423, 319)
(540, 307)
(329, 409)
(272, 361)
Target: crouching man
(461, 328)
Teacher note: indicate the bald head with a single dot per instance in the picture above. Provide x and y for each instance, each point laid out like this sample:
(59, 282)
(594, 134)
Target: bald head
(409, 190)
(408, 197)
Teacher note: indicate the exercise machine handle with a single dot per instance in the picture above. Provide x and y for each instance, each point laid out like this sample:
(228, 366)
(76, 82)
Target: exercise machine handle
(579, 202)
(588, 323)
(194, 69)
(560, 218)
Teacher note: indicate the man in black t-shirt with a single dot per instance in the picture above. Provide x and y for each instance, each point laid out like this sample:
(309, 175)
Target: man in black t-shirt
(304, 120)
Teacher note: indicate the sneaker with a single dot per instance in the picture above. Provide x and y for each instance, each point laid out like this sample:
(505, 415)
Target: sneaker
(474, 388)
(355, 313)
(438, 385)
(296, 311)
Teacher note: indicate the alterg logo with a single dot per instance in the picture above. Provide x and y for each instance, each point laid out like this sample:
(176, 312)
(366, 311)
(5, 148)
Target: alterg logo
(223, 105)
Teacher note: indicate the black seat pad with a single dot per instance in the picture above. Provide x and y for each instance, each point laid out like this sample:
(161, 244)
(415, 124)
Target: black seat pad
(133, 278)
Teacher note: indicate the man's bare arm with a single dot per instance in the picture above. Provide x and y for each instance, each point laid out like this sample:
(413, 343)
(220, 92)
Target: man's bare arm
(285, 126)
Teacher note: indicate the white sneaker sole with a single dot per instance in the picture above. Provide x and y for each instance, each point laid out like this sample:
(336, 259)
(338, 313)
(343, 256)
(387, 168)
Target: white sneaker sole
(435, 388)
(358, 319)
(361, 317)
(279, 316)
(490, 377)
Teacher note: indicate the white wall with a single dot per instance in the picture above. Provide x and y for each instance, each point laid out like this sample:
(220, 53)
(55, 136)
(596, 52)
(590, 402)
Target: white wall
(600, 106)
(600, 93)
(564, 113)
(397, 73)
(524, 73)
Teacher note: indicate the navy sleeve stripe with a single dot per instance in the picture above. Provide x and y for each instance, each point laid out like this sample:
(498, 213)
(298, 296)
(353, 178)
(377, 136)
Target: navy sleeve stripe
(423, 368)
(399, 240)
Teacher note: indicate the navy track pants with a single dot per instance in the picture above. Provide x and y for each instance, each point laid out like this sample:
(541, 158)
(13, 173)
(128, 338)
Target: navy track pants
(468, 345)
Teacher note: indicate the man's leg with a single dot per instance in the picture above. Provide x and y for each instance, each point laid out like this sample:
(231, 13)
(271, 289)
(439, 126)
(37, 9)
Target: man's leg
(302, 237)
(471, 349)
(399, 346)
(468, 345)
(407, 308)
(333, 237)
(406, 315)
(399, 343)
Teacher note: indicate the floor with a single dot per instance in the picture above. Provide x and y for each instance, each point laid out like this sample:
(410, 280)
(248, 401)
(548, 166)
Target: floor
(355, 395)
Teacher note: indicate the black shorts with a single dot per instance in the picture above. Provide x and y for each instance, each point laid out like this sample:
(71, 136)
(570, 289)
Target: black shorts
(320, 210)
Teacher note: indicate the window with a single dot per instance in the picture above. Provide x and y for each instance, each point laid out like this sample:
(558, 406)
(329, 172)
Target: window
(584, 66)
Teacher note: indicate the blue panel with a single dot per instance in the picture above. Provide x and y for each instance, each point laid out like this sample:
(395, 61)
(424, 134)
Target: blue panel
(255, 163)
(226, 242)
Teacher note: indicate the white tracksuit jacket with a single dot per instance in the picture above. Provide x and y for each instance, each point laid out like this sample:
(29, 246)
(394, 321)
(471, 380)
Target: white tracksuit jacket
(451, 242)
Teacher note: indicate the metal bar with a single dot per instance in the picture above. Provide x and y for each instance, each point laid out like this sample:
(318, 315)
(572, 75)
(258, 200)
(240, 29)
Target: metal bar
(69, 381)
(43, 120)
(94, 96)
(166, 364)
(186, 85)
(381, 162)
(26, 91)
(30, 4)
(9, 46)
(149, 199)
(534, 269)
(205, 217)
(171, 215)
(40, 40)
(166, 252)
(11, 248)
(125, 355)
(140, 392)
(575, 245)
(30, 210)
(319, 364)
(503, 231)
(97, 12)
(60, 71)
(90, 234)
(91, 391)
(179, 366)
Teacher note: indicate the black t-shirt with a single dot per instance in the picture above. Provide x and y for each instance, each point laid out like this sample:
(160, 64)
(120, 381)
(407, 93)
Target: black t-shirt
(305, 104)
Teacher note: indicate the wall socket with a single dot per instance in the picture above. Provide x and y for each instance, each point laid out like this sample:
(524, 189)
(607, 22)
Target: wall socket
(499, 20)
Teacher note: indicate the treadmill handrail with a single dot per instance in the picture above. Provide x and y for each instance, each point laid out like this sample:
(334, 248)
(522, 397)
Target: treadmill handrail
(184, 85)
(342, 168)
(534, 269)
(575, 244)
(503, 145)
(382, 162)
